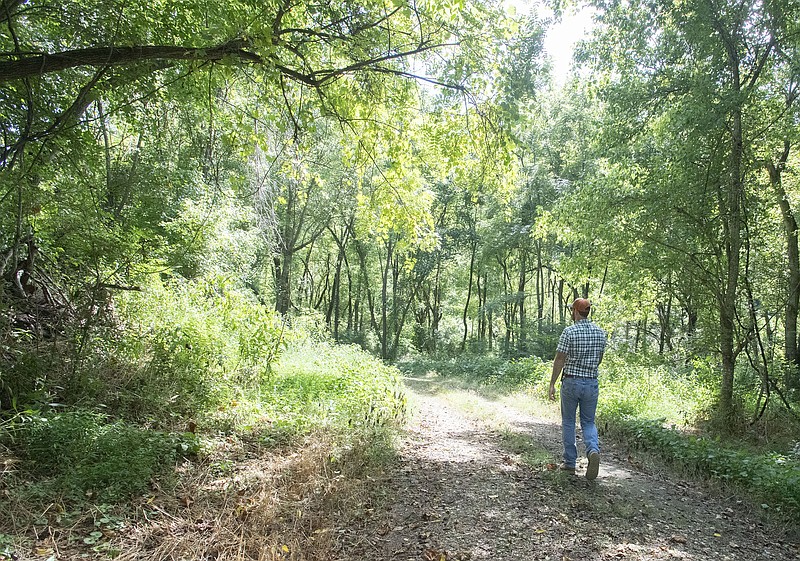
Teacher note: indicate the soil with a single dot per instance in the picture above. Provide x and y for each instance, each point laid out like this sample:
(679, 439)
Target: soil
(457, 493)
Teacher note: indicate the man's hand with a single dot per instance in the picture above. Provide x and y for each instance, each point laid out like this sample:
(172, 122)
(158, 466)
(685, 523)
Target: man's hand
(552, 392)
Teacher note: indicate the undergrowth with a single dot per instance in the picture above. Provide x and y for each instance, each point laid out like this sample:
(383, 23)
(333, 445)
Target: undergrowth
(771, 478)
(203, 384)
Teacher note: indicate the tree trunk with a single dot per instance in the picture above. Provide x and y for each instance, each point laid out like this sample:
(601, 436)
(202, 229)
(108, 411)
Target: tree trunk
(384, 326)
(730, 202)
(481, 290)
(540, 286)
(334, 308)
(283, 264)
(473, 253)
(436, 310)
(664, 313)
(508, 308)
(489, 326)
(793, 265)
(521, 286)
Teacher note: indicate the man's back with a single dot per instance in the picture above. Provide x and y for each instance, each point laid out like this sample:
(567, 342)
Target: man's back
(584, 344)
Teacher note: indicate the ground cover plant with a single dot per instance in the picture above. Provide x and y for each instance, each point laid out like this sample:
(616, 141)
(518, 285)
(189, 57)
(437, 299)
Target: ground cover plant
(214, 403)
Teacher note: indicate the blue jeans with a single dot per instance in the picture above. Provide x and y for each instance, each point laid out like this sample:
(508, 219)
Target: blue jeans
(575, 393)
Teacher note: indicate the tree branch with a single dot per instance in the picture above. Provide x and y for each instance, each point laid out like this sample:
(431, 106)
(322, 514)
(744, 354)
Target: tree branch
(37, 65)
(8, 9)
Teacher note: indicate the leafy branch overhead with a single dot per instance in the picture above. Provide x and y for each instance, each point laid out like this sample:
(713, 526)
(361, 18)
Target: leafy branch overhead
(311, 44)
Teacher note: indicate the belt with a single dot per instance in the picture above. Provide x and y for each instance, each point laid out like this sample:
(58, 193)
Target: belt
(579, 377)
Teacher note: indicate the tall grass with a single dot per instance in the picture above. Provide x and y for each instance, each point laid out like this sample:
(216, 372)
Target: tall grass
(317, 385)
(183, 366)
(632, 388)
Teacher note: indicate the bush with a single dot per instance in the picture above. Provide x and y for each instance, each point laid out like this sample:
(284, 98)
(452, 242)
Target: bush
(771, 477)
(191, 346)
(485, 370)
(318, 385)
(631, 388)
(82, 454)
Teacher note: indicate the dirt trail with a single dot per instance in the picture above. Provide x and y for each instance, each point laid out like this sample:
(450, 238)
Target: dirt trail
(458, 495)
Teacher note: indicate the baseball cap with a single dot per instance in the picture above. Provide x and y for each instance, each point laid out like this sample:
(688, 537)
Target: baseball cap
(582, 305)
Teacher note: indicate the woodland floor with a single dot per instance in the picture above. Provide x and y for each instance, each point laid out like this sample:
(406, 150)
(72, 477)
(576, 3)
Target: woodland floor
(457, 493)
(474, 479)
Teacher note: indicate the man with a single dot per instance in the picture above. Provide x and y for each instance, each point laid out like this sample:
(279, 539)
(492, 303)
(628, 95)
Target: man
(578, 354)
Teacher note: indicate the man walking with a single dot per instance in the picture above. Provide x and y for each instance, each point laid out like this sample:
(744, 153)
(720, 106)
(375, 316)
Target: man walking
(578, 354)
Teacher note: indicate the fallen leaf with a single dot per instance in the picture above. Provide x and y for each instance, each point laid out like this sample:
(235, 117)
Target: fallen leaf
(433, 555)
(677, 538)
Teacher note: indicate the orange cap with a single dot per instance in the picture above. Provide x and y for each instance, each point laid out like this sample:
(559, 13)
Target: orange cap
(582, 305)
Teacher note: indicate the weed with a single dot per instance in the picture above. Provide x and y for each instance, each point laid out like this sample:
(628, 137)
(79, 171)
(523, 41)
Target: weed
(7, 547)
(774, 478)
(82, 453)
(530, 451)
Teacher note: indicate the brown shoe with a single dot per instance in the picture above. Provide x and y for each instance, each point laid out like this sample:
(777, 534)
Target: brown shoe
(566, 468)
(594, 466)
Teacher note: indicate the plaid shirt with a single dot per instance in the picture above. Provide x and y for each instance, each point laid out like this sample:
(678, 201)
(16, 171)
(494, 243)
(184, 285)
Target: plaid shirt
(583, 343)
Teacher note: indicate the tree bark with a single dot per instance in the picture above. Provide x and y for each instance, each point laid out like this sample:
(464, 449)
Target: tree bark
(384, 330)
(37, 65)
(540, 288)
(775, 170)
(521, 287)
(473, 252)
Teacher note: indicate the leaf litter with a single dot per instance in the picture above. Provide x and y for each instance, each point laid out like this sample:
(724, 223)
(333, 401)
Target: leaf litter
(457, 491)
(458, 494)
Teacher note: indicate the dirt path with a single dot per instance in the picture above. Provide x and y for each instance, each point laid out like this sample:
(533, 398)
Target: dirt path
(458, 494)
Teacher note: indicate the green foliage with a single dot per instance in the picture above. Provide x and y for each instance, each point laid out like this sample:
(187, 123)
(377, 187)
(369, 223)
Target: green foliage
(192, 346)
(82, 453)
(316, 385)
(632, 388)
(6, 547)
(772, 477)
(658, 408)
(485, 370)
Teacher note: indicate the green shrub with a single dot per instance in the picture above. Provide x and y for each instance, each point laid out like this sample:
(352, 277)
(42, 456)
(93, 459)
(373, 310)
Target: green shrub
(191, 346)
(773, 478)
(631, 388)
(81, 453)
(485, 370)
(318, 385)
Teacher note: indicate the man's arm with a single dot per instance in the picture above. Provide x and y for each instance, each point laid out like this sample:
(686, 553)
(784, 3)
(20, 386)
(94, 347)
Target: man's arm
(558, 366)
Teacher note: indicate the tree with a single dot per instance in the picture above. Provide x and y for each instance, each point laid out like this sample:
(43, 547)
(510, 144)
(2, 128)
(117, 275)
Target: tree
(704, 62)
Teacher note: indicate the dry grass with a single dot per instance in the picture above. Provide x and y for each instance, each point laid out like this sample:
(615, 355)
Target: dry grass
(242, 502)
(270, 506)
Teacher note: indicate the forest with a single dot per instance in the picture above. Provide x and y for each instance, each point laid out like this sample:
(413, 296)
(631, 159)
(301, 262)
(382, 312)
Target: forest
(234, 226)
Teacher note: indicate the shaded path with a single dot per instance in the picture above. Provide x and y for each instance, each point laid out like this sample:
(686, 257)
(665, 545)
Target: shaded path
(457, 495)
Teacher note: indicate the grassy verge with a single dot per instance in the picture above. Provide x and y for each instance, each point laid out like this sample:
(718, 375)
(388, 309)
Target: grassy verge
(278, 470)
